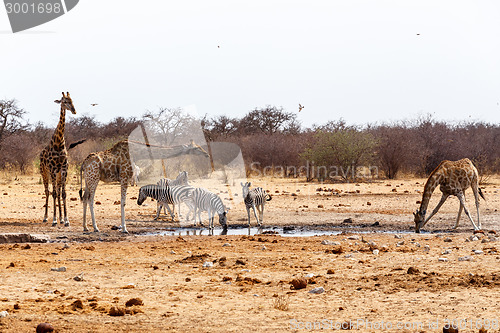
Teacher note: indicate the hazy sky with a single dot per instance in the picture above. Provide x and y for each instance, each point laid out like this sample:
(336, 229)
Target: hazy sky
(364, 61)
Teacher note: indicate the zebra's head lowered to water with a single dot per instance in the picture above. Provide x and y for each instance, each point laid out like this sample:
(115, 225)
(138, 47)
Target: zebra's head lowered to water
(143, 194)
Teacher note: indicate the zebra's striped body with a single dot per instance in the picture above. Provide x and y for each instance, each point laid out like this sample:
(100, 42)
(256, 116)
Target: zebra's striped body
(181, 179)
(255, 198)
(165, 195)
(206, 201)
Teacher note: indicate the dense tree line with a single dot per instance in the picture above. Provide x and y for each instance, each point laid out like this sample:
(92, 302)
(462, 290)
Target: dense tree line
(273, 142)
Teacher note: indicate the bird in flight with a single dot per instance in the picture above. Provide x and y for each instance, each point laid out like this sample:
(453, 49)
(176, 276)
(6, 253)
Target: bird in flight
(94, 104)
(300, 107)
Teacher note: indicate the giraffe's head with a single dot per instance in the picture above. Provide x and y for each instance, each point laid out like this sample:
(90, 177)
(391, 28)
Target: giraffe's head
(419, 219)
(246, 188)
(66, 103)
(194, 149)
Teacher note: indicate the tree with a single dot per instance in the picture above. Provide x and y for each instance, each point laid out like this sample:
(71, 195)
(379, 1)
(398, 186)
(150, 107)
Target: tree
(11, 118)
(172, 126)
(269, 120)
(338, 153)
(219, 127)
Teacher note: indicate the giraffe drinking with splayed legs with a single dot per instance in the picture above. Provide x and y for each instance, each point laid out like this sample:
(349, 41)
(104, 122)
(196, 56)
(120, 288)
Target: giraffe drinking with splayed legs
(54, 163)
(453, 177)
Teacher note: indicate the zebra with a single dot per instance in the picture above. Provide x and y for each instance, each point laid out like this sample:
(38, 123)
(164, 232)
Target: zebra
(256, 197)
(181, 179)
(165, 195)
(203, 200)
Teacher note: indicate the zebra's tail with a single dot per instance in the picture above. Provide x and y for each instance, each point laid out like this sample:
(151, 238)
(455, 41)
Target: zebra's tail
(268, 197)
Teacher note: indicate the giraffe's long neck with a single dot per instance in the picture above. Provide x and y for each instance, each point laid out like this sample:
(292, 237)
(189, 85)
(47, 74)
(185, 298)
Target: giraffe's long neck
(430, 186)
(57, 141)
(141, 151)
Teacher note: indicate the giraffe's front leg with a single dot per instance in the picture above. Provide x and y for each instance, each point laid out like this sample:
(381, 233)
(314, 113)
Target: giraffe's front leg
(124, 184)
(458, 217)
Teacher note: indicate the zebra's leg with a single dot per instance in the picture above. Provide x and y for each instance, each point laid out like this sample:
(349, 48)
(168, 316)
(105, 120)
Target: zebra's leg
(124, 185)
(170, 212)
(261, 213)
(158, 210)
(248, 213)
(191, 208)
(255, 213)
(462, 202)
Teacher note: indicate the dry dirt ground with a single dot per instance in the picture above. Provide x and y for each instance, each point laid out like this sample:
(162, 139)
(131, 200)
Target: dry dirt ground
(378, 277)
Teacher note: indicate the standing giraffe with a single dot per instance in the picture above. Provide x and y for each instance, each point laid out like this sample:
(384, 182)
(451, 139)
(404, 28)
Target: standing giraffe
(114, 164)
(454, 177)
(54, 163)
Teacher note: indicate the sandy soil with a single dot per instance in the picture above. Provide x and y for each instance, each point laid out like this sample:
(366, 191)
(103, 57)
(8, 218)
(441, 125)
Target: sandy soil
(373, 276)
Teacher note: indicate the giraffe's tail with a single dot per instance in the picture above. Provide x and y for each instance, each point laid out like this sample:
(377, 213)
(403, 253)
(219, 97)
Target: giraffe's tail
(81, 182)
(481, 193)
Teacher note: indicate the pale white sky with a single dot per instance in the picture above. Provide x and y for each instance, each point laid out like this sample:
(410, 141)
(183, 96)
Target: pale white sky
(364, 61)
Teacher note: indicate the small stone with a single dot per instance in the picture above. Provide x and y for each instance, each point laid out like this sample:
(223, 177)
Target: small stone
(427, 248)
(354, 237)
(448, 240)
(398, 236)
(240, 262)
(59, 269)
(446, 252)
(349, 220)
(78, 304)
(188, 279)
(172, 252)
(263, 248)
(443, 259)
(44, 328)
(318, 290)
(412, 270)
(3, 314)
(400, 243)
(297, 284)
(226, 244)
(116, 311)
(349, 255)
(466, 258)
(376, 252)
(477, 251)
(330, 271)
(79, 277)
(134, 301)
(208, 264)
(310, 275)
